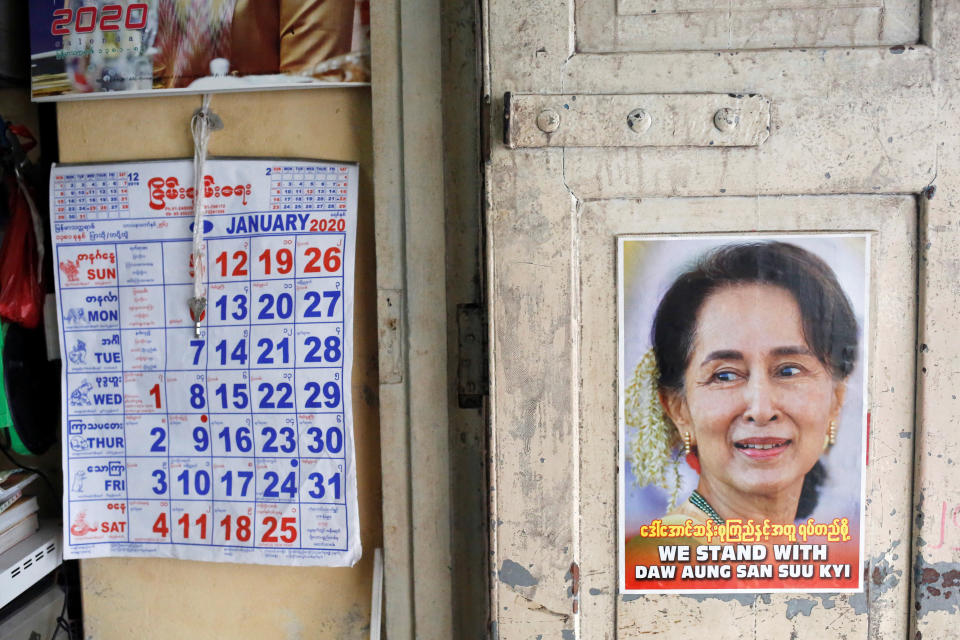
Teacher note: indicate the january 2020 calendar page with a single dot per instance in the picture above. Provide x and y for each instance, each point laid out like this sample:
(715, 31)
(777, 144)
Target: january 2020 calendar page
(225, 435)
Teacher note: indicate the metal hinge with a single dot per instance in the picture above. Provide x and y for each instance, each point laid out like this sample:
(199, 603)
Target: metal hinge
(635, 120)
(472, 381)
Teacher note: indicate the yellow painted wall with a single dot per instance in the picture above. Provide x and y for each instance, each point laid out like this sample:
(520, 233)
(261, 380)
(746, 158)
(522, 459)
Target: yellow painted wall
(170, 599)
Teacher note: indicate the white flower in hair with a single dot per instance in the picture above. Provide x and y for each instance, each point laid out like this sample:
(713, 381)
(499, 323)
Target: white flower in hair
(651, 437)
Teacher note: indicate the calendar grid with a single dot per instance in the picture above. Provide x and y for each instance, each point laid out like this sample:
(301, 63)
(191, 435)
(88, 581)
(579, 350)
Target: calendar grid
(296, 418)
(246, 450)
(166, 393)
(123, 405)
(256, 476)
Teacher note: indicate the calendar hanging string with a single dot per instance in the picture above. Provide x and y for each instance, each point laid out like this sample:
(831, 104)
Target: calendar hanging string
(203, 122)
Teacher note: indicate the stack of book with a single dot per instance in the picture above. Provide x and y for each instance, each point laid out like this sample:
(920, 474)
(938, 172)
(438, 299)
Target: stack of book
(18, 513)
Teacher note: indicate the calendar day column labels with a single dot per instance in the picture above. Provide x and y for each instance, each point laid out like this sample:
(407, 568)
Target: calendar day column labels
(236, 444)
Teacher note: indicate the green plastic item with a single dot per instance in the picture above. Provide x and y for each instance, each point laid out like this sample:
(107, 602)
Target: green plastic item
(6, 418)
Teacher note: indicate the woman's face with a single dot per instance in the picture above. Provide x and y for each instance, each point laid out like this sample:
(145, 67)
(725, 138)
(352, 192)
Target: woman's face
(757, 401)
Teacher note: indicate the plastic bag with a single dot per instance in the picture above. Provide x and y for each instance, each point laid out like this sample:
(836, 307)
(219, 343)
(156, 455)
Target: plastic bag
(21, 292)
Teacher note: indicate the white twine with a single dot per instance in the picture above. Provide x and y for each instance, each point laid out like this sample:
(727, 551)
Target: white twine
(200, 127)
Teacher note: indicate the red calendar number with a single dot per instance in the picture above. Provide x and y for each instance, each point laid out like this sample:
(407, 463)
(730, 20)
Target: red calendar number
(284, 259)
(160, 525)
(155, 392)
(288, 527)
(239, 259)
(200, 522)
(330, 257)
(242, 530)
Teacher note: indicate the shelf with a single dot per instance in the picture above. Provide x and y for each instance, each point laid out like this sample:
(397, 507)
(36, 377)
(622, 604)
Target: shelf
(23, 564)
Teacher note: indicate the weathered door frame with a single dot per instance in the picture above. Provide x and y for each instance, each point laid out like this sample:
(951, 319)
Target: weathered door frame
(427, 190)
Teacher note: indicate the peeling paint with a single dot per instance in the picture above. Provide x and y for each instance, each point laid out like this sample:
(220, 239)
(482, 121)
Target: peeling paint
(630, 598)
(597, 592)
(858, 602)
(883, 576)
(514, 575)
(936, 586)
(796, 606)
(568, 634)
(826, 601)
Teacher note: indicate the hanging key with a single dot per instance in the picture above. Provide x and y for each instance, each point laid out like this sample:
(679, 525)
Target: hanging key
(197, 308)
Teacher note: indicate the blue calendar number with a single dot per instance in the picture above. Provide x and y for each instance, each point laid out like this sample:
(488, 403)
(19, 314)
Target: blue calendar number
(330, 392)
(243, 480)
(289, 440)
(161, 486)
(332, 440)
(197, 346)
(314, 307)
(201, 482)
(327, 350)
(197, 400)
(239, 396)
(241, 439)
(319, 491)
(279, 307)
(201, 439)
(236, 306)
(237, 353)
(270, 350)
(287, 486)
(158, 445)
(283, 392)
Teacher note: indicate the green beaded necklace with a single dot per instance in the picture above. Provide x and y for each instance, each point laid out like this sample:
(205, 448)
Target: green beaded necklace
(701, 503)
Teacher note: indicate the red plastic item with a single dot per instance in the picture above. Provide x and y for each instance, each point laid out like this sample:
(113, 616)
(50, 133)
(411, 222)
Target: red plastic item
(21, 292)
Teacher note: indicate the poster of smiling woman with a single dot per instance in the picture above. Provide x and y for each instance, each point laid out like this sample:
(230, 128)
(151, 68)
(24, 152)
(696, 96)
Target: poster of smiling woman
(743, 422)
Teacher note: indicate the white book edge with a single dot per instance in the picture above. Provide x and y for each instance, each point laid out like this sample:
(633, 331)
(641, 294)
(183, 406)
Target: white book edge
(17, 512)
(6, 494)
(19, 531)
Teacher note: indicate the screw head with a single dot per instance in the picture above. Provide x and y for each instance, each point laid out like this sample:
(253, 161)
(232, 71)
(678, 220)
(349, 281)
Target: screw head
(548, 121)
(639, 120)
(726, 119)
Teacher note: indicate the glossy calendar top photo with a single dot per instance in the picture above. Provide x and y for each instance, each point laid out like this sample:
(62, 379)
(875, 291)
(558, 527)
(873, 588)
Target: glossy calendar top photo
(226, 437)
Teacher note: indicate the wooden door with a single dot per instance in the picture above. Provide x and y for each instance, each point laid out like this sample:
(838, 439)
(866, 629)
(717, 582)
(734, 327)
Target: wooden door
(679, 117)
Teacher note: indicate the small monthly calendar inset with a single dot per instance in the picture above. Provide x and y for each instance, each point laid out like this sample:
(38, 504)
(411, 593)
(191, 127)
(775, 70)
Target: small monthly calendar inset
(231, 438)
(297, 188)
(92, 196)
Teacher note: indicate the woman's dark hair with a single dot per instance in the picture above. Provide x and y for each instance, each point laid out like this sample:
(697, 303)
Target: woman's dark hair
(829, 325)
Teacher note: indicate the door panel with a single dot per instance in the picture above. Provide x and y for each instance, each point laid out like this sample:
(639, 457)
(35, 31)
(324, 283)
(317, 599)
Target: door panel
(893, 223)
(841, 121)
(855, 124)
(533, 397)
(678, 25)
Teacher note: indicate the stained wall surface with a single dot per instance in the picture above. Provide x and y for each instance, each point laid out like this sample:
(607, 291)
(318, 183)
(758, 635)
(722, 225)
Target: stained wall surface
(157, 598)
